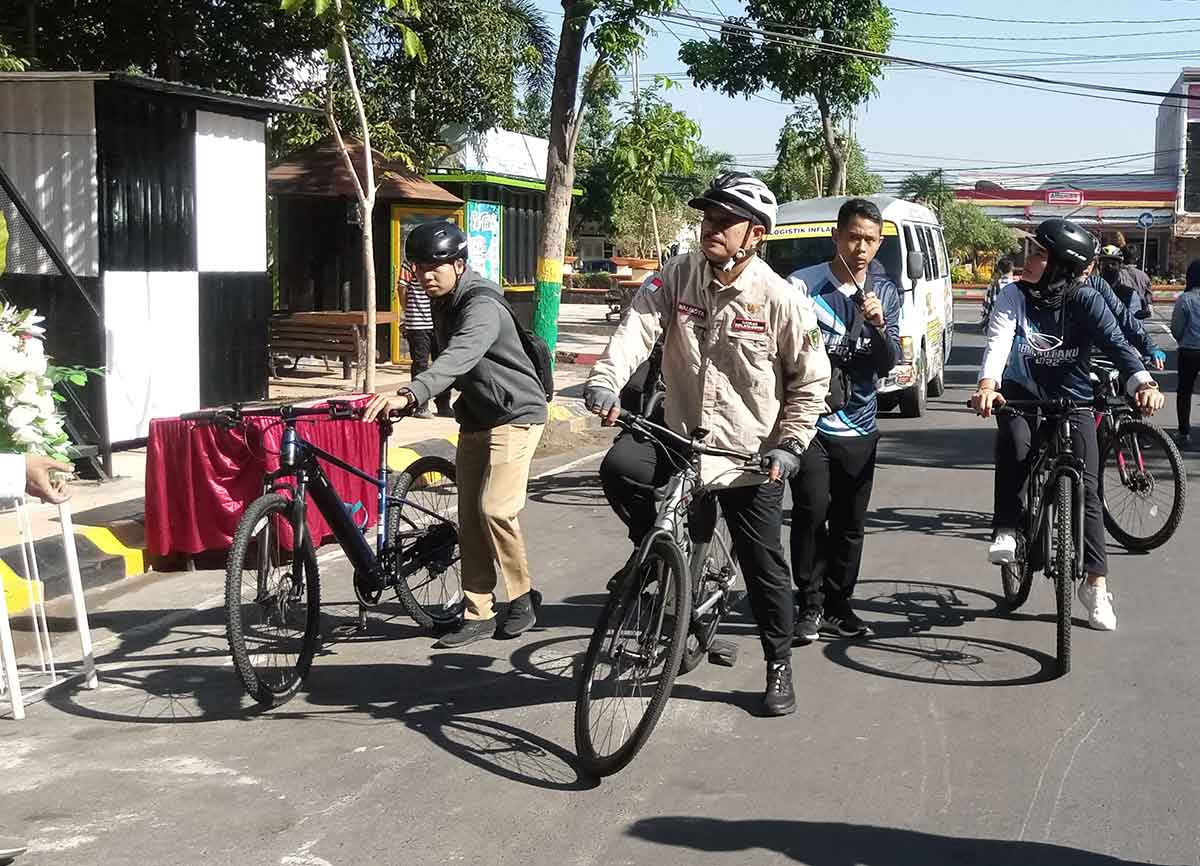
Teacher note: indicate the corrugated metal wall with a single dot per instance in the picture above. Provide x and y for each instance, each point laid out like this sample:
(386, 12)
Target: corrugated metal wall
(146, 158)
(48, 148)
(234, 314)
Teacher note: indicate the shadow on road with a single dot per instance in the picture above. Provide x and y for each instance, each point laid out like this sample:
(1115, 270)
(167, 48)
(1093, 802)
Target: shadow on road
(941, 447)
(916, 647)
(938, 522)
(578, 489)
(816, 843)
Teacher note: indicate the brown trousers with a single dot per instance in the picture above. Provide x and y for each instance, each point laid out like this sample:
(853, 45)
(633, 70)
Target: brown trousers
(493, 477)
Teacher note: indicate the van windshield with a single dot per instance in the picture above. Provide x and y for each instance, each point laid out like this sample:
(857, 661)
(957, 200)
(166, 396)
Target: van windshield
(802, 246)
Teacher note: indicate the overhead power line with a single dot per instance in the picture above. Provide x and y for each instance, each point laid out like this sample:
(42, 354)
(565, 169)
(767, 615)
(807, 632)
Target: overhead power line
(1059, 23)
(971, 72)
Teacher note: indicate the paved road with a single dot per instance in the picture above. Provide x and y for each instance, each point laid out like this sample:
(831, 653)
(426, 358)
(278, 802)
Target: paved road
(942, 740)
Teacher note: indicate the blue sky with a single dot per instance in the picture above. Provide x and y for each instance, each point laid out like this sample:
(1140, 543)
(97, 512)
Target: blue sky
(924, 119)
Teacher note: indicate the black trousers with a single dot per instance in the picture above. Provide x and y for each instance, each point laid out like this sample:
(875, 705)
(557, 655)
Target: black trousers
(1189, 366)
(633, 469)
(830, 497)
(423, 348)
(1014, 449)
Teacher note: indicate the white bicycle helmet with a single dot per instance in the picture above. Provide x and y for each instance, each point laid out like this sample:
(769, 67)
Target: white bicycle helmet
(742, 194)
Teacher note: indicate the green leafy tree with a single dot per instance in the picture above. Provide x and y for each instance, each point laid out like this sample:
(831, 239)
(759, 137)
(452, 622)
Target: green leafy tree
(656, 143)
(619, 29)
(928, 189)
(972, 235)
(364, 188)
(9, 61)
(801, 63)
(802, 163)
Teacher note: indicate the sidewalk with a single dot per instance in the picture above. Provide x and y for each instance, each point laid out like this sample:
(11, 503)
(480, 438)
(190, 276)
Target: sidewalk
(109, 517)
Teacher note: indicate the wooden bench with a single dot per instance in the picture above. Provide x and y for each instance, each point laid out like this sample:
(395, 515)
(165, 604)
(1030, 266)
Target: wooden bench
(304, 337)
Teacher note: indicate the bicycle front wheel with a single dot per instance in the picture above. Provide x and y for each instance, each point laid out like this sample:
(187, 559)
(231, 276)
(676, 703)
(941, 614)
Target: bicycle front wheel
(1143, 486)
(631, 661)
(272, 601)
(1017, 577)
(423, 526)
(1064, 566)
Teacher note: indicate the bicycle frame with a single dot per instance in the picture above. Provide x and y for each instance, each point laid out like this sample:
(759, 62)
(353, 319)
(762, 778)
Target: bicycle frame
(1056, 461)
(299, 459)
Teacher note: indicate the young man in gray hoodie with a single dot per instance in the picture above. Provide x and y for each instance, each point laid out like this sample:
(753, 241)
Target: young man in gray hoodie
(501, 413)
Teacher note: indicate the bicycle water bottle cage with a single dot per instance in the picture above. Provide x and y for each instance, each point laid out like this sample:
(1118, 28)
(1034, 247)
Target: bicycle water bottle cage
(354, 510)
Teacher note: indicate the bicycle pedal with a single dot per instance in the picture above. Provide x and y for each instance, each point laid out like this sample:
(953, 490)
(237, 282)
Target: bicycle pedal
(723, 652)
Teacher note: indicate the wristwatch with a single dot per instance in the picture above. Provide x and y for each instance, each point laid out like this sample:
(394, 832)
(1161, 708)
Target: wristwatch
(792, 446)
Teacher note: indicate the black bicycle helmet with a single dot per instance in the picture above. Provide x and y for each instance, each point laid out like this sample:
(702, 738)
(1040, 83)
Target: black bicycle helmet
(1069, 250)
(435, 242)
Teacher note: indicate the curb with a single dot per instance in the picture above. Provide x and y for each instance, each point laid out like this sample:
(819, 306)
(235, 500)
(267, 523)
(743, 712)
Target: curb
(103, 559)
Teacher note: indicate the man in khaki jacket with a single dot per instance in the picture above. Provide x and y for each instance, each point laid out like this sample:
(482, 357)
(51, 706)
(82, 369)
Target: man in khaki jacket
(742, 358)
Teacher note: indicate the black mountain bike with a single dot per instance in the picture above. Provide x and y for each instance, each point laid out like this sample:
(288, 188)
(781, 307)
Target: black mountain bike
(662, 615)
(1051, 537)
(272, 586)
(1143, 484)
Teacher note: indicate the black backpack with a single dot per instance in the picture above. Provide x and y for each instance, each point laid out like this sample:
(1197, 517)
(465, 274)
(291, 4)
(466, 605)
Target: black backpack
(535, 347)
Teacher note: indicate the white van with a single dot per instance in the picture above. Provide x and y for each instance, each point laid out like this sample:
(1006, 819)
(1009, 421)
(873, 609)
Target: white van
(913, 254)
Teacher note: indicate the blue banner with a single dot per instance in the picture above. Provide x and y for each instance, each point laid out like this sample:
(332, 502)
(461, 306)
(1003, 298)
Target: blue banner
(483, 235)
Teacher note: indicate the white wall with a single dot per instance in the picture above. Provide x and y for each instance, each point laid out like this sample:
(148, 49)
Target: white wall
(231, 193)
(48, 148)
(152, 349)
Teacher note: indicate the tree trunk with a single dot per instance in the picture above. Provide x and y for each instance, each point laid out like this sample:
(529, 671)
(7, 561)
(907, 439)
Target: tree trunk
(658, 251)
(837, 160)
(560, 169)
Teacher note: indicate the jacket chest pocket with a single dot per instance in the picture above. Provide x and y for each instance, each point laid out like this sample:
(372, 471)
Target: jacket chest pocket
(745, 353)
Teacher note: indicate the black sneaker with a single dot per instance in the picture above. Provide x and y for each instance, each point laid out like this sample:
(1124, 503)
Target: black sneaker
(808, 626)
(844, 624)
(779, 698)
(467, 632)
(520, 616)
(444, 410)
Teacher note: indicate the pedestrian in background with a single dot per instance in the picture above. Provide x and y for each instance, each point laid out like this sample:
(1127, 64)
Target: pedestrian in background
(1185, 327)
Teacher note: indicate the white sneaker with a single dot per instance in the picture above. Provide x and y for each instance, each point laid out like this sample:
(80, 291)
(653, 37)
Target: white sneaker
(1101, 615)
(1004, 549)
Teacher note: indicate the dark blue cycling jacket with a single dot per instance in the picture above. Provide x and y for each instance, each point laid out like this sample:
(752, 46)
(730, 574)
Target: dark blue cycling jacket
(1049, 352)
(1130, 326)
(875, 354)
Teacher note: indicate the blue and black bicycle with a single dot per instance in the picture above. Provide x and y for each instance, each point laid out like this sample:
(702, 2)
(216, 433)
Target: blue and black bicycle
(272, 585)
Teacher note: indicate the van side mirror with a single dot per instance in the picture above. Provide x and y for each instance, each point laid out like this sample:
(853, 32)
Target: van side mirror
(916, 265)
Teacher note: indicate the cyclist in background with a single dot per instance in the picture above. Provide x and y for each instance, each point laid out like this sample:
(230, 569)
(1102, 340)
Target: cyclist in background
(1042, 334)
(1101, 280)
(1185, 327)
(742, 357)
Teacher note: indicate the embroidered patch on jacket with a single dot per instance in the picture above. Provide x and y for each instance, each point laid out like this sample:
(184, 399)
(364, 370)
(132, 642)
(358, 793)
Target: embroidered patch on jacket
(748, 326)
(651, 284)
(814, 336)
(692, 312)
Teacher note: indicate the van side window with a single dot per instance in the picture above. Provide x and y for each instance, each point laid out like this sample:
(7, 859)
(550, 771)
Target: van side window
(929, 263)
(941, 239)
(909, 244)
(937, 261)
(938, 252)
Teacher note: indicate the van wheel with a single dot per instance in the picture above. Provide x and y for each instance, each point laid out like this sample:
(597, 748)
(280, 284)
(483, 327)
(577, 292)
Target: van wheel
(937, 385)
(912, 400)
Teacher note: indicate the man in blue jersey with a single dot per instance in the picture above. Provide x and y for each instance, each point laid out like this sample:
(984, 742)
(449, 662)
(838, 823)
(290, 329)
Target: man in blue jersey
(858, 313)
(1042, 335)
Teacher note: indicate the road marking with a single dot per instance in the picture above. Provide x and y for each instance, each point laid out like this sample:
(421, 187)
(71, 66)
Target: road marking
(1042, 777)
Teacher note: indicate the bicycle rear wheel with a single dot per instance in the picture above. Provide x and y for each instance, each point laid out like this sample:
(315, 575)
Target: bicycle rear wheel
(713, 569)
(1143, 486)
(423, 526)
(272, 601)
(1064, 566)
(631, 661)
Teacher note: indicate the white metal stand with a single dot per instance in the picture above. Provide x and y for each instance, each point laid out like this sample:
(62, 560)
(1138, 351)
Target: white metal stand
(46, 670)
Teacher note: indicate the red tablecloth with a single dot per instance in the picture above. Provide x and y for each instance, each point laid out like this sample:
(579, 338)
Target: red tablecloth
(200, 477)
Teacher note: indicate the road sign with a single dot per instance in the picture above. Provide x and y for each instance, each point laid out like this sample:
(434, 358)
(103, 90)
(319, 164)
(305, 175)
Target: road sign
(1146, 220)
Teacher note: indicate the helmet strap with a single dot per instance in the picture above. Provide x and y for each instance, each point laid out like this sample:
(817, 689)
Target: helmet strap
(741, 254)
